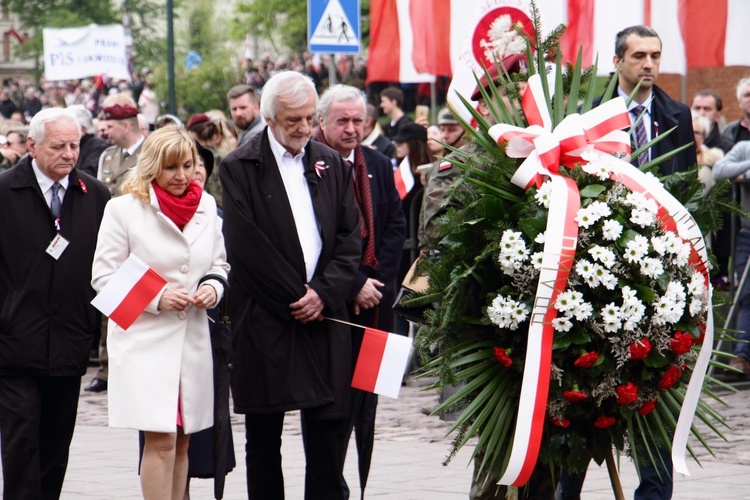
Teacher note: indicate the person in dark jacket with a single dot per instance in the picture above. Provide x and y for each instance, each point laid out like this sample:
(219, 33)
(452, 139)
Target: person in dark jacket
(49, 218)
(342, 115)
(291, 228)
(92, 146)
(739, 130)
(7, 106)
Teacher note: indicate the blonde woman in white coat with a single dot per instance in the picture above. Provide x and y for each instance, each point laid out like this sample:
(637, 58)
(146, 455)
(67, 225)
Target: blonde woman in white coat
(160, 378)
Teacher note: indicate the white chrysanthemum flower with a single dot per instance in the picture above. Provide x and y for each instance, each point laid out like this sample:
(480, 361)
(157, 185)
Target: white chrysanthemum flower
(653, 178)
(608, 280)
(674, 243)
(633, 310)
(507, 313)
(651, 267)
(568, 300)
(628, 294)
(597, 168)
(536, 260)
(683, 255)
(675, 291)
(585, 268)
(611, 312)
(611, 230)
(585, 218)
(659, 243)
(612, 326)
(603, 255)
(600, 208)
(642, 218)
(562, 324)
(696, 306)
(584, 311)
(636, 200)
(697, 285)
(635, 249)
(539, 238)
(544, 194)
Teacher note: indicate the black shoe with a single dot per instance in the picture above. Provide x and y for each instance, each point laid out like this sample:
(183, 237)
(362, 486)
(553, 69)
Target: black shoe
(97, 385)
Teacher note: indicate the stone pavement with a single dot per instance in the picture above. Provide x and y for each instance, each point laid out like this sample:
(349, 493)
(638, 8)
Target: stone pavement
(407, 461)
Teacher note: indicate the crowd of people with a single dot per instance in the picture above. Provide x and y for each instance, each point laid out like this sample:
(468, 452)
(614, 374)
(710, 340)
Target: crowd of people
(309, 209)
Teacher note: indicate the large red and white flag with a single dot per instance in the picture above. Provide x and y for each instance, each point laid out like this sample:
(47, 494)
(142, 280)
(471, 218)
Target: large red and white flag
(128, 292)
(403, 177)
(381, 362)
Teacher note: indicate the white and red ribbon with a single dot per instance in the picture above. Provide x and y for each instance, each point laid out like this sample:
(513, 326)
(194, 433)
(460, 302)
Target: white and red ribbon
(545, 150)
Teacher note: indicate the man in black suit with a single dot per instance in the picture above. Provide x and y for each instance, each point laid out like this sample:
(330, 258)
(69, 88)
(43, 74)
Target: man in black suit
(50, 220)
(373, 135)
(638, 53)
(341, 115)
(291, 229)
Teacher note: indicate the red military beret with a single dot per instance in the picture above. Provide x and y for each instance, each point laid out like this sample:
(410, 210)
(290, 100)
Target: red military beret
(199, 118)
(513, 63)
(119, 112)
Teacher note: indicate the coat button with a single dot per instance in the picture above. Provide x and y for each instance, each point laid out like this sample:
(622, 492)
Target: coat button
(181, 315)
(184, 269)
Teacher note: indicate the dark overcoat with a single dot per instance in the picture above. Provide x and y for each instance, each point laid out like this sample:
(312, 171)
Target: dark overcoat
(46, 320)
(280, 364)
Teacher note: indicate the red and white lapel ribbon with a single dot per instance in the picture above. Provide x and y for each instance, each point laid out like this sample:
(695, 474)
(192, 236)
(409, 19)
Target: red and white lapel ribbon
(545, 150)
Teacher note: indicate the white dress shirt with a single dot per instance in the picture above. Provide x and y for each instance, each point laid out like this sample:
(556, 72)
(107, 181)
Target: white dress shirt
(292, 172)
(646, 117)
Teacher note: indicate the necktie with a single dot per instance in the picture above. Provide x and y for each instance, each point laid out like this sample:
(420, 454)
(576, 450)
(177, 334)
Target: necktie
(56, 204)
(641, 137)
(364, 198)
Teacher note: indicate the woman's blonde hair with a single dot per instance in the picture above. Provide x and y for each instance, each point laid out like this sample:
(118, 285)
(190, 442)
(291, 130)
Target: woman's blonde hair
(163, 147)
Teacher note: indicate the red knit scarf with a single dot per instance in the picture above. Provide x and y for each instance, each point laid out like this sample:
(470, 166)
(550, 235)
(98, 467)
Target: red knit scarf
(364, 200)
(180, 209)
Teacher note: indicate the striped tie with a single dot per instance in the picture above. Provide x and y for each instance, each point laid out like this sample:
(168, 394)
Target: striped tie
(56, 205)
(641, 137)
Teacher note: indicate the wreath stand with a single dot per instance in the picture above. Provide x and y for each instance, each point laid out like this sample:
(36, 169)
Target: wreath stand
(614, 476)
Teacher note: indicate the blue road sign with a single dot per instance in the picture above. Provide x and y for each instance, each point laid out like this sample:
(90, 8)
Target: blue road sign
(333, 26)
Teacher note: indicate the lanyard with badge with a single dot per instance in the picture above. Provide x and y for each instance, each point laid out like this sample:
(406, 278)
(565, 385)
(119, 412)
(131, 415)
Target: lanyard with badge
(58, 244)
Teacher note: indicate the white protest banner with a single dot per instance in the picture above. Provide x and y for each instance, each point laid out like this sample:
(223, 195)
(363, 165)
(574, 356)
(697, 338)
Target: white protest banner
(71, 53)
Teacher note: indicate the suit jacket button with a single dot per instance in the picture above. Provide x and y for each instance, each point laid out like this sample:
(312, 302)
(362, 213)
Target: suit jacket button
(184, 269)
(182, 315)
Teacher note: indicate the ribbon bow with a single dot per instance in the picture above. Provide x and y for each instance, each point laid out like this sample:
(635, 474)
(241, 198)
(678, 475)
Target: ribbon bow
(545, 149)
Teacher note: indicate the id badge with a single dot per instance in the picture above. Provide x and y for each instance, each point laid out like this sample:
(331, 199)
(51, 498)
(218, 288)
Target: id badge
(57, 246)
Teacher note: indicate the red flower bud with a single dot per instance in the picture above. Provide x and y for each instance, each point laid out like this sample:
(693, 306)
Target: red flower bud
(640, 348)
(681, 343)
(647, 407)
(574, 396)
(627, 394)
(562, 422)
(603, 422)
(586, 360)
(670, 378)
(502, 357)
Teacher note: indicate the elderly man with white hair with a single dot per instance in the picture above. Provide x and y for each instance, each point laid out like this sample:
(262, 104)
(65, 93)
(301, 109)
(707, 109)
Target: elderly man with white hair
(51, 216)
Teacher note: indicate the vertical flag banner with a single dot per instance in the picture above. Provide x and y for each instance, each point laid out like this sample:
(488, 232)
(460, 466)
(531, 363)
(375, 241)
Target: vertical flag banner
(72, 53)
(128, 292)
(381, 362)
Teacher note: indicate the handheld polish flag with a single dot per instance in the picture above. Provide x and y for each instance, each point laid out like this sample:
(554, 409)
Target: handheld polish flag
(381, 362)
(403, 177)
(128, 292)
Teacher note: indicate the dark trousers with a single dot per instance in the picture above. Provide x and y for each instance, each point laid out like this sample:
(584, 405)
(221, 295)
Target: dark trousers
(37, 419)
(324, 456)
(656, 481)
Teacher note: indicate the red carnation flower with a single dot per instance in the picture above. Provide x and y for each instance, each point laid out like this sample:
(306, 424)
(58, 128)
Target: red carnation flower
(83, 186)
(562, 422)
(647, 407)
(670, 378)
(603, 422)
(502, 357)
(574, 396)
(681, 343)
(586, 360)
(627, 394)
(640, 349)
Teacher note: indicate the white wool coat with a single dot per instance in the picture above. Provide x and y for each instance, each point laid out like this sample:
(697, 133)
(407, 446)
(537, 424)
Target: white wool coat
(163, 353)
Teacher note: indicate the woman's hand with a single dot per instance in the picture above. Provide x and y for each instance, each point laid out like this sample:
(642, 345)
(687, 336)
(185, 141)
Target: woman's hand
(205, 297)
(175, 300)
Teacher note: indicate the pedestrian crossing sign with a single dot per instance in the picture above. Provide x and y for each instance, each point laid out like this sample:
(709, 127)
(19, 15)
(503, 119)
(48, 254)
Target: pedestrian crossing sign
(333, 26)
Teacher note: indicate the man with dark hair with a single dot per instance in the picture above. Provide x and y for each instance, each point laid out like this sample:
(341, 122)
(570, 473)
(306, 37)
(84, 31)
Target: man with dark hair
(341, 115)
(374, 136)
(51, 216)
(739, 130)
(244, 108)
(291, 228)
(391, 100)
(7, 106)
(708, 103)
(638, 54)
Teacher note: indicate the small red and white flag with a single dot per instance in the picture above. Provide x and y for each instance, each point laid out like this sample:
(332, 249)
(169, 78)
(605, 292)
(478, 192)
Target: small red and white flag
(128, 292)
(381, 362)
(403, 177)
